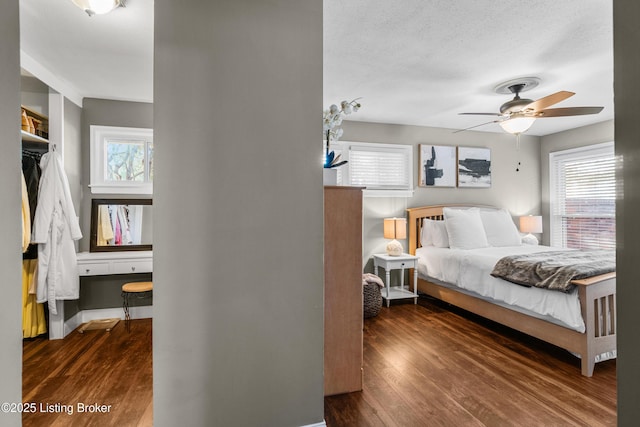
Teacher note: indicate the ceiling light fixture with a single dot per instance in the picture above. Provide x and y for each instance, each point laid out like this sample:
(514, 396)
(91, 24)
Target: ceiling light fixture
(98, 7)
(517, 125)
(517, 122)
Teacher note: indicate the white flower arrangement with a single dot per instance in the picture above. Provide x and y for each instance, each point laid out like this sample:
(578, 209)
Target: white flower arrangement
(331, 121)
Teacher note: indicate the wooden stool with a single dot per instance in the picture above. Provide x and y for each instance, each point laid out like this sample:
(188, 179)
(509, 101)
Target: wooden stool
(141, 289)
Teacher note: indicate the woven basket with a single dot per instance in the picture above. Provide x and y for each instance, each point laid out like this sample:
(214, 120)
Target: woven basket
(372, 299)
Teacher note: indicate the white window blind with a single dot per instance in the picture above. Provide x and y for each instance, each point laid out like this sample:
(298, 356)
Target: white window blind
(583, 196)
(383, 169)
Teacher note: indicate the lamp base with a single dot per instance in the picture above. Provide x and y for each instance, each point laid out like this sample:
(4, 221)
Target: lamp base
(394, 248)
(530, 239)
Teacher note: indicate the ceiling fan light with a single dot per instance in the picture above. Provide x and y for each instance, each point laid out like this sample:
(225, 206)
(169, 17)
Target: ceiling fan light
(517, 125)
(98, 7)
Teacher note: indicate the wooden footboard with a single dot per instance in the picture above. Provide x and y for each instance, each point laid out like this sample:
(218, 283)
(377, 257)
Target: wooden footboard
(597, 300)
(598, 306)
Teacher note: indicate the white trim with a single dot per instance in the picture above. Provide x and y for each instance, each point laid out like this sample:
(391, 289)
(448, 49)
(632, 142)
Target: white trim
(121, 188)
(50, 79)
(584, 149)
(56, 123)
(56, 322)
(387, 193)
(98, 135)
(346, 148)
(322, 424)
(594, 150)
(83, 316)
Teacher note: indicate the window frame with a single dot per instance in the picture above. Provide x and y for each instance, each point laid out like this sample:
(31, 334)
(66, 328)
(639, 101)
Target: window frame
(99, 137)
(344, 172)
(595, 151)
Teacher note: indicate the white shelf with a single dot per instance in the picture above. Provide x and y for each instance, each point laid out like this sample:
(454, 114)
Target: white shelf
(397, 292)
(26, 136)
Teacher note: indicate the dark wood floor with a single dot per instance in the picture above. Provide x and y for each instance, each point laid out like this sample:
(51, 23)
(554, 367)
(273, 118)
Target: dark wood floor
(433, 365)
(96, 367)
(424, 365)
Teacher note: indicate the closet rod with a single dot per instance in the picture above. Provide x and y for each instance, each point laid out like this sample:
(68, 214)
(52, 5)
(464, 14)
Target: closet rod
(35, 147)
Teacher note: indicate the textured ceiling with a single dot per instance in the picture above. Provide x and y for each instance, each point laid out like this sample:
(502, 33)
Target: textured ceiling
(418, 62)
(423, 62)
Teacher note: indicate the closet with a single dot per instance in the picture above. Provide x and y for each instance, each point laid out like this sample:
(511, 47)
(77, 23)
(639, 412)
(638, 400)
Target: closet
(34, 129)
(41, 132)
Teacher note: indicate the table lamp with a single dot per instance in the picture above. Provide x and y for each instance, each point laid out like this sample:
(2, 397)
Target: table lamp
(530, 224)
(395, 228)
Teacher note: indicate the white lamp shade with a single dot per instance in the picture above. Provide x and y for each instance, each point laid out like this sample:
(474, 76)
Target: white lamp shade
(531, 224)
(517, 125)
(97, 7)
(395, 228)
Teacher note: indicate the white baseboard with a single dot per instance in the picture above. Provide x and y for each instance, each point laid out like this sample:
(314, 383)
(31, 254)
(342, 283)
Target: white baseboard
(322, 424)
(83, 316)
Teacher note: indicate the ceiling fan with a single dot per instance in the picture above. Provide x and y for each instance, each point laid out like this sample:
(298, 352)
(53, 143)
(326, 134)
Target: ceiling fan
(517, 116)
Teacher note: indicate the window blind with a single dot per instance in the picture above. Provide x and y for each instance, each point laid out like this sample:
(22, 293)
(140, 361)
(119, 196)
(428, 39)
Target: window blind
(378, 168)
(583, 196)
(383, 169)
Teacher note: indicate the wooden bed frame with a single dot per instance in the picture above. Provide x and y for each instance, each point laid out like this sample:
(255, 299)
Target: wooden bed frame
(597, 300)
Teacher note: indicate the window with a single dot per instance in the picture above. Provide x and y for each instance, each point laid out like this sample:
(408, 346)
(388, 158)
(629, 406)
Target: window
(583, 197)
(384, 169)
(121, 160)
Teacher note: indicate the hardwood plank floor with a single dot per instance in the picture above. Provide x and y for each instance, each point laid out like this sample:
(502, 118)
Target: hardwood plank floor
(424, 365)
(434, 365)
(113, 369)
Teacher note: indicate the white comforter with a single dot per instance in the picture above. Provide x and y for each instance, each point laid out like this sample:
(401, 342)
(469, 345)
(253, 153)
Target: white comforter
(470, 270)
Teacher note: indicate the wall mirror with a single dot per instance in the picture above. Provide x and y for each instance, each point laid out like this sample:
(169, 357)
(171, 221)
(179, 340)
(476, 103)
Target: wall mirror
(121, 225)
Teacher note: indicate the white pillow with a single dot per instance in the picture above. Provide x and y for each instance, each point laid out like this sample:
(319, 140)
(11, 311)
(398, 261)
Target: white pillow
(426, 236)
(465, 229)
(434, 233)
(440, 236)
(499, 228)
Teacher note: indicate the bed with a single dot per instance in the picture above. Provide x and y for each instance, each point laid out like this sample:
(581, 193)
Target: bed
(588, 328)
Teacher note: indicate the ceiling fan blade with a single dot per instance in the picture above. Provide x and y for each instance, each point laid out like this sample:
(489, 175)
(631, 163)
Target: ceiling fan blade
(480, 114)
(548, 101)
(481, 124)
(569, 111)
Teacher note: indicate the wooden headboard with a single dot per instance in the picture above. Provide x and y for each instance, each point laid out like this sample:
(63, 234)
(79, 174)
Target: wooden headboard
(434, 212)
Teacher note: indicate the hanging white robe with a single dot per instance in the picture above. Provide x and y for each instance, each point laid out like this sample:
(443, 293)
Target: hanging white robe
(55, 227)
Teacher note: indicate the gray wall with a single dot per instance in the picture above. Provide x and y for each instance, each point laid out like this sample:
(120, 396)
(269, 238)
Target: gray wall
(10, 253)
(73, 150)
(99, 291)
(587, 135)
(238, 273)
(105, 112)
(518, 192)
(627, 129)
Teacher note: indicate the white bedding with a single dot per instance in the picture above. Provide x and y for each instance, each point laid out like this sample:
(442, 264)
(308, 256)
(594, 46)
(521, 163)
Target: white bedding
(470, 269)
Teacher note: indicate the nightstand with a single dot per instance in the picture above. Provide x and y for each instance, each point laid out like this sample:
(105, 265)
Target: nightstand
(401, 262)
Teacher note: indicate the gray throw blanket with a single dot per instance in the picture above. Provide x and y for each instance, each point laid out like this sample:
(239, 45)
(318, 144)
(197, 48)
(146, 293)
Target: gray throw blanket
(554, 270)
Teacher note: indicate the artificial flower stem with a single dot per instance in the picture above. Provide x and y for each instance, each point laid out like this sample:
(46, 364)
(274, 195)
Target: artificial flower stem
(328, 136)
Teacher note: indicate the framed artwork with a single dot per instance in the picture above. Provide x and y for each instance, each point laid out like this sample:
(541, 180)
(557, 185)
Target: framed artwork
(474, 167)
(437, 166)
